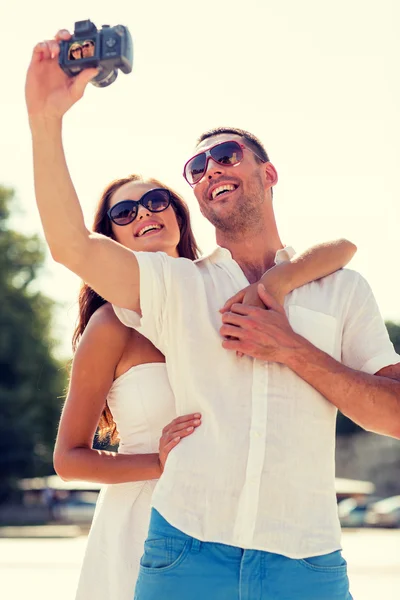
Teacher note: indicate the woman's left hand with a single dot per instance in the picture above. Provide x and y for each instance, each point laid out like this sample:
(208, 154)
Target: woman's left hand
(172, 434)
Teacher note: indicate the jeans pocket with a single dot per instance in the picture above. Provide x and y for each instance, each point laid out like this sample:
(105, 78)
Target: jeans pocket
(326, 563)
(163, 554)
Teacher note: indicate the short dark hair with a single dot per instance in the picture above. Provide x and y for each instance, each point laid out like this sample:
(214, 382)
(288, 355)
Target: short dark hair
(251, 140)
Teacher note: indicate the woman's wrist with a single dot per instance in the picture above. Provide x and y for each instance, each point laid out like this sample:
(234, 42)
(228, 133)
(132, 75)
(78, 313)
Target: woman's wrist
(278, 280)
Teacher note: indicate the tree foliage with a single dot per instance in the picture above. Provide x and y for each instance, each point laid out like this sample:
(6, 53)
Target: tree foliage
(31, 379)
(344, 425)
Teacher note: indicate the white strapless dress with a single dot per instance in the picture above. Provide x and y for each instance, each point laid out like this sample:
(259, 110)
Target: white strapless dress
(142, 403)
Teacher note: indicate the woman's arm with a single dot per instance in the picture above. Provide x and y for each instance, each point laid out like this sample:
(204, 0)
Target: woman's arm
(105, 265)
(316, 262)
(92, 374)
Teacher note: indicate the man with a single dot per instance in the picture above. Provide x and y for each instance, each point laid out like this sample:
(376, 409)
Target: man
(246, 508)
(88, 48)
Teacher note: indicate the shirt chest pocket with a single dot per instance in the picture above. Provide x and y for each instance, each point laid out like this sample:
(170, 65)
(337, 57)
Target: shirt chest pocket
(316, 327)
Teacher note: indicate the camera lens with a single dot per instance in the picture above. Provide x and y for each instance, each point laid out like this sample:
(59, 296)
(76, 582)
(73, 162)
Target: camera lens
(105, 77)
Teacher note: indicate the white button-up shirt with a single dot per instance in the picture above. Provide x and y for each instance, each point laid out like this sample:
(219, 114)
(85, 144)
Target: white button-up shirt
(259, 471)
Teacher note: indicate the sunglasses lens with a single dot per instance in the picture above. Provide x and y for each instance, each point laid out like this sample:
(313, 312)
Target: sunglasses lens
(124, 212)
(195, 168)
(227, 153)
(156, 200)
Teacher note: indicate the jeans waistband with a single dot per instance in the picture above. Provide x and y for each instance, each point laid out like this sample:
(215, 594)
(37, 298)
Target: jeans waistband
(160, 526)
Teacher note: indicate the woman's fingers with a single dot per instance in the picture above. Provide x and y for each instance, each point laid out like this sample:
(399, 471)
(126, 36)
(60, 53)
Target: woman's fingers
(185, 425)
(171, 444)
(181, 427)
(168, 441)
(181, 419)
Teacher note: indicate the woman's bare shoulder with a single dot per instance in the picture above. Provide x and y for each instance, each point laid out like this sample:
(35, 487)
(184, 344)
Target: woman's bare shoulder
(104, 326)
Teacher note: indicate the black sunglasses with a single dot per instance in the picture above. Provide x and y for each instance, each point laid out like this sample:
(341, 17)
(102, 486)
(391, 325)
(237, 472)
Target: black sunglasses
(126, 211)
(228, 153)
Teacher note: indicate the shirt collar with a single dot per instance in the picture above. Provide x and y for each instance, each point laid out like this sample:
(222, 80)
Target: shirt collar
(219, 254)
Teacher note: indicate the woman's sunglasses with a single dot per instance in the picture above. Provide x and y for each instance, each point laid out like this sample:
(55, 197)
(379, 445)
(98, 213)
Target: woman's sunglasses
(225, 153)
(126, 211)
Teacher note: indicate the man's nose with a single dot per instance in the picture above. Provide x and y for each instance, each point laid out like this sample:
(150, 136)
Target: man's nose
(213, 169)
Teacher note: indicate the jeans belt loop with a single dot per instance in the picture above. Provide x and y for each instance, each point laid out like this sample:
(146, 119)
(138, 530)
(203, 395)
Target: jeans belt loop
(196, 545)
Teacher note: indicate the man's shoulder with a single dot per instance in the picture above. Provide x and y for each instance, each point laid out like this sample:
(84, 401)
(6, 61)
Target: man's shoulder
(341, 279)
(330, 294)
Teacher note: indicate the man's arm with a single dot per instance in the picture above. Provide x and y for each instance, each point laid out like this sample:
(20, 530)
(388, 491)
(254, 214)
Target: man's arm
(106, 266)
(109, 268)
(372, 401)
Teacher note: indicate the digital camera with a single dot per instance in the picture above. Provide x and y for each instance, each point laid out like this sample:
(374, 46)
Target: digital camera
(108, 49)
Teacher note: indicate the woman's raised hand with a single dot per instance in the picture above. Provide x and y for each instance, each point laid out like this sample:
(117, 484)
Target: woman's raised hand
(172, 434)
(49, 91)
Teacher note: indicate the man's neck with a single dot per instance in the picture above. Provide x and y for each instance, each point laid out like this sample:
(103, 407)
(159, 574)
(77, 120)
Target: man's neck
(255, 254)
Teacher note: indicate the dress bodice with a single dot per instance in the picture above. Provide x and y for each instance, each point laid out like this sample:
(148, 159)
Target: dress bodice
(142, 403)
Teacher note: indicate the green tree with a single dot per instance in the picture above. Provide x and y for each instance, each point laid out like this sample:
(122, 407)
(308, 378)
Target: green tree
(344, 425)
(31, 379)
(394, 334)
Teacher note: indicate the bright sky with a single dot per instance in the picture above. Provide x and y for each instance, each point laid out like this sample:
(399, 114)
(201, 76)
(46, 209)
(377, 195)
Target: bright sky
(317, 81)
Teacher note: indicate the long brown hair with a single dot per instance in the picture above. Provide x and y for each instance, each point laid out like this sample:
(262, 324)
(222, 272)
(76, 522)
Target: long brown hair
(89, 301)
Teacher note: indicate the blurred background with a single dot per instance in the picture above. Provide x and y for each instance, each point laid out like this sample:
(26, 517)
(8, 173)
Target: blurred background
(319, 84)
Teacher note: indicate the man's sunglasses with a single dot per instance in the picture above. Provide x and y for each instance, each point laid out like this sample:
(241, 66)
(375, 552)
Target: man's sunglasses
(126, 211)
(225, 153)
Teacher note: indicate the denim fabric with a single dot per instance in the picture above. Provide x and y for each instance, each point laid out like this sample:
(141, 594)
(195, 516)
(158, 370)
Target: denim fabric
(176, 566)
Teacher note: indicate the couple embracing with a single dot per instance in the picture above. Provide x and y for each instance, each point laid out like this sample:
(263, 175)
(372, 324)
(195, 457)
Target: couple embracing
(221, 374)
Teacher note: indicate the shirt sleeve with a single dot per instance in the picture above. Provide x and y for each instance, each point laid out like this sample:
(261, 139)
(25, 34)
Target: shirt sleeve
(155, 275)
(366, 345)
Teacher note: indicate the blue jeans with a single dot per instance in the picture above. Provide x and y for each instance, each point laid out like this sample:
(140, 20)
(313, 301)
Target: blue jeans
(176, 566)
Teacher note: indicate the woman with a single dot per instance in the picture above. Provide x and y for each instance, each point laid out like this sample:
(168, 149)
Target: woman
(130, 373)
(115, 366)
(75, 51)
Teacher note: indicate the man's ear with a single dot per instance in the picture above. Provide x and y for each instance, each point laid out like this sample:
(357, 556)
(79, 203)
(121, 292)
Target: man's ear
(271, 175)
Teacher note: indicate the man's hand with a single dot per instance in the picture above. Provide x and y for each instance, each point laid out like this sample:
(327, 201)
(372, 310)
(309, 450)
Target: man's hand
(259, 333)
(49, 91)
(172, 434)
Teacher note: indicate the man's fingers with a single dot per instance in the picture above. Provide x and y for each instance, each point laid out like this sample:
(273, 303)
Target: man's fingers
(62, 34)
(237, 298)
(239, 318)
(233, 344)
(230, 331)
(269, 300)
(41, 52)
(45, 50)
(80, 81)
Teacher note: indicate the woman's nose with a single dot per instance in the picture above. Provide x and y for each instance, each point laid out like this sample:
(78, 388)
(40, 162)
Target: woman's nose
(142, 212)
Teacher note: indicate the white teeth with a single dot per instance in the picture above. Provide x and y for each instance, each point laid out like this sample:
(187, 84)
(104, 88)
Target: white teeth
(147, 228)
(222, 188)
